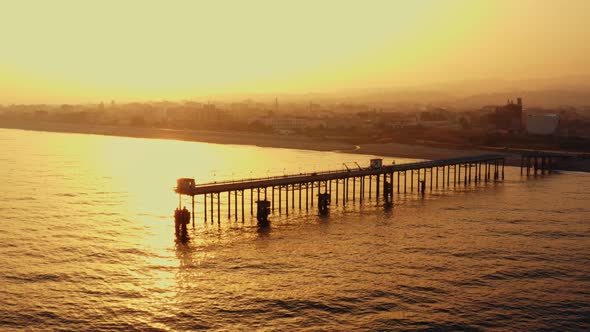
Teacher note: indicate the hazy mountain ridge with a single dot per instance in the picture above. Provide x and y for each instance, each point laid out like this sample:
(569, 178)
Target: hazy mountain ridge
(548, 92)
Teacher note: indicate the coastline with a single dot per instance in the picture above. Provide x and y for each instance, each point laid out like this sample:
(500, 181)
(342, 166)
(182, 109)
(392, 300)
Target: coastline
(275, 141)
(205, 136)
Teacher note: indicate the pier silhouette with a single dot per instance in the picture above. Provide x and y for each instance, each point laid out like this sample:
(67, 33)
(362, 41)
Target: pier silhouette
(336, 187)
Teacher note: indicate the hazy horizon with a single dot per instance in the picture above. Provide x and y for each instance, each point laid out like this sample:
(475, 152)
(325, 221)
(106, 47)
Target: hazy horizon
(65, 51)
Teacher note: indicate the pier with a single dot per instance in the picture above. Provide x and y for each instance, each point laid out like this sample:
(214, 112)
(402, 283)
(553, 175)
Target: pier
(378, 182)
(541, 161)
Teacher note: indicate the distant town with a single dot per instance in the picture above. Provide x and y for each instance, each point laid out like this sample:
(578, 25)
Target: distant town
(509, 123)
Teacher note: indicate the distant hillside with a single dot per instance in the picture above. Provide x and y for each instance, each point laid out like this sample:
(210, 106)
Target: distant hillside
(545, 92)
(539, 98)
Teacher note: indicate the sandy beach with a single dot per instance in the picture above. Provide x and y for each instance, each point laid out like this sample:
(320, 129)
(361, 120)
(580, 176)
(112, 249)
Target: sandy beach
(268, 140)
(246, 138)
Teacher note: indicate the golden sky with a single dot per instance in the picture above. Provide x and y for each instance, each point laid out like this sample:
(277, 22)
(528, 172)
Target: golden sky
(75, 51)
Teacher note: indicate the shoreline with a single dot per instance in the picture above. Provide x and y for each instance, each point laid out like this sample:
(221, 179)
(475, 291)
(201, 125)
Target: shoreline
(398, 150)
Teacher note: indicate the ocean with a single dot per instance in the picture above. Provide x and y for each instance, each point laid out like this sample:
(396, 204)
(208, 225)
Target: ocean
(87, 244)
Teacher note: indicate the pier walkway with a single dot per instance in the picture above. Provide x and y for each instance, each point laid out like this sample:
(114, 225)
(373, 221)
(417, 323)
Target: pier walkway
(339, 185)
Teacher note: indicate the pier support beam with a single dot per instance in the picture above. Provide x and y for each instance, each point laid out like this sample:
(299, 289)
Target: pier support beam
(377, 187)
(344, 191)
(496, 170)
(307, 196)
(418, 182)
(353, 189)
(235, 205)
(529, 166)
(300, 195)
(272, 199)
(448, 176)
(405, 182)
(436, 177)
(211, 207)
(280, 200)
(362, 190)
(465, 176)
(347, 191)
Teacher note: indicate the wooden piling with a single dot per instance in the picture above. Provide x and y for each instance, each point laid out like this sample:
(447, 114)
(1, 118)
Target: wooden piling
(312, 185)
(307, 196)
(211, 207)
(300, 195)
(436, 177)
(280, 210)
(272, 199)
(353, 189)
(377, 187)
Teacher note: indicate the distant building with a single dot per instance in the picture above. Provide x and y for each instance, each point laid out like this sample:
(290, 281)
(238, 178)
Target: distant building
(542, 124)
(509, 117)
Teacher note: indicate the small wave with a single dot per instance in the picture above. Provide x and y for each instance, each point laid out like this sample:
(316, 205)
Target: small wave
(529, 274)
(24, 199)
(558, 234)
(138, 252)
(40, 277)
(66, 195)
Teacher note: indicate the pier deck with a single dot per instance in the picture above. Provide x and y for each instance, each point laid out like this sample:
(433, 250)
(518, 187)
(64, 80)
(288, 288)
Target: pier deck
(380, 180)
(245, 184)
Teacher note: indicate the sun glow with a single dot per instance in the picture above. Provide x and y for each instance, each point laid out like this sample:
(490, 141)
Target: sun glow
(180, 49)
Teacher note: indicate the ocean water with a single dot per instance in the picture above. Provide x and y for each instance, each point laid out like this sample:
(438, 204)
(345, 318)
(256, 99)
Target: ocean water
(87, 244)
